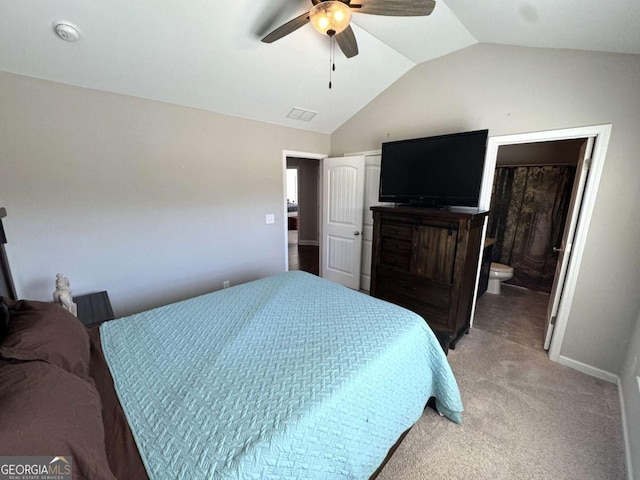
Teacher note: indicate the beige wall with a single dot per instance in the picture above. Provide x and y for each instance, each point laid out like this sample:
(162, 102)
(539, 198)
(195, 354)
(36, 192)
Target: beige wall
(150, 201)
(515, 90)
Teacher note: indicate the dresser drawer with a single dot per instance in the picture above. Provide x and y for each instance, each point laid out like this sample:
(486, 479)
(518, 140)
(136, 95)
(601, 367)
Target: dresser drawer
(402, 231)
(396, 253)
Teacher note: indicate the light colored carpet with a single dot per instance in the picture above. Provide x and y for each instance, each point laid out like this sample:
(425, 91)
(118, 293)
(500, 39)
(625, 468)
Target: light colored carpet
(525, 418)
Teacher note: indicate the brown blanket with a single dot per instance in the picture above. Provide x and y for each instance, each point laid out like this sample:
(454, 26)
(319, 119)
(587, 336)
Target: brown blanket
(122, 453)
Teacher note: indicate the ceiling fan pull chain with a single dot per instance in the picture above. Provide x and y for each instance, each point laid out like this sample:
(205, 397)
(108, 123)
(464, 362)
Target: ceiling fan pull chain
(332, 65)
(333, 53)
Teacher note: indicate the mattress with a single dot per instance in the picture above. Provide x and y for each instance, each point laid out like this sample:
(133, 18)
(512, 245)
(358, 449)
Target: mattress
(288, 377)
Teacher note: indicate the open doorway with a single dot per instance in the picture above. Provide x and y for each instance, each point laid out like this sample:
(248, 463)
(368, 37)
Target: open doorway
(532, 190)
(302, 187)
(292, 205)
(579, 216)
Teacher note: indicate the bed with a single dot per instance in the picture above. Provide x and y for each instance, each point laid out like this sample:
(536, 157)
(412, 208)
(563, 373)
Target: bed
(290, 376)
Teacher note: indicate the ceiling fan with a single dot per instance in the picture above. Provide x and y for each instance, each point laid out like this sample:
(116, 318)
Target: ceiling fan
(332, 17)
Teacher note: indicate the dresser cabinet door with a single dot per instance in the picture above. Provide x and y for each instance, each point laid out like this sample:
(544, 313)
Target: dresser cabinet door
(434, 250)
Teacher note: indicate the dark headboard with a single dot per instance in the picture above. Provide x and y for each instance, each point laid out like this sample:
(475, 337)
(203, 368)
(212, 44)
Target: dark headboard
(7, 289)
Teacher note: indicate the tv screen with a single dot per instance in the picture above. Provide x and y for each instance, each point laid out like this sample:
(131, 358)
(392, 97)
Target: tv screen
(445, 170)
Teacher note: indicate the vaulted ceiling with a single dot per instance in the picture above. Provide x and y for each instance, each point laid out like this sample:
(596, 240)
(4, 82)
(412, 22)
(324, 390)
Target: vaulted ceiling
(208, 54)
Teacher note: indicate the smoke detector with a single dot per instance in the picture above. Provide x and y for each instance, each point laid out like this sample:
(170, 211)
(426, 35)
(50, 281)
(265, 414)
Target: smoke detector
(67, 31)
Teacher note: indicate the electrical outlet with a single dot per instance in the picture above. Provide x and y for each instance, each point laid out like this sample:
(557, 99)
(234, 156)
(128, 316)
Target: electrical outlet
(226, 284)
(270, 218)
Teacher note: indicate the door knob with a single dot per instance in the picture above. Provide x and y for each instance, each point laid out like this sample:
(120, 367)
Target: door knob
(356, 233)
(557, 250)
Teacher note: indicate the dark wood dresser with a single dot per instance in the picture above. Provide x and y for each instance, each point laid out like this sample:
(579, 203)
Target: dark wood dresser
(426, 260)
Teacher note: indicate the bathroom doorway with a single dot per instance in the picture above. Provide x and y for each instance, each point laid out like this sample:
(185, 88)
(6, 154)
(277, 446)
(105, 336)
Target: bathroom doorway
(530, 199)
(578, 213)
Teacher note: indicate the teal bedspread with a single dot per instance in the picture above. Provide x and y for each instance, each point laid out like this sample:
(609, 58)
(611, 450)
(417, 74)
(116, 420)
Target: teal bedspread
(288, 377)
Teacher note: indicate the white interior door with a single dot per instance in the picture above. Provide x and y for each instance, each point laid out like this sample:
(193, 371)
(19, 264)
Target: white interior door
(371, 192)
(342, 213)
(564, 249)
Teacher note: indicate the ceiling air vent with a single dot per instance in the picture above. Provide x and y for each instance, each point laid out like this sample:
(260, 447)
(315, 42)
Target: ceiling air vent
(301, 114)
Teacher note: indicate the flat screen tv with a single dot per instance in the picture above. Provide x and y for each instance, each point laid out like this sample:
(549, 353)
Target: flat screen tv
(441, 171)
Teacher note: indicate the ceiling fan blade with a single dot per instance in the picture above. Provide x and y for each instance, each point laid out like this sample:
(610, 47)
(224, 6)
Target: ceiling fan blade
(397, 8)
(287, 28)
(347, 42)
(273, 14)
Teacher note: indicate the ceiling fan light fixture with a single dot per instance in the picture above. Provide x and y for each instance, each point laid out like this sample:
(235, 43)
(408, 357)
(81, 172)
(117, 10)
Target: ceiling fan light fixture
(330, 17)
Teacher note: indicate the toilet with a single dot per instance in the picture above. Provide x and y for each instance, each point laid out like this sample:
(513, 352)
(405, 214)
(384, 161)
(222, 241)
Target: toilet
(498, 274)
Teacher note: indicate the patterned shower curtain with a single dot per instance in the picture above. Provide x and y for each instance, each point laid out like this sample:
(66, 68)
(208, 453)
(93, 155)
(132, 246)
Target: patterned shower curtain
(528, 210)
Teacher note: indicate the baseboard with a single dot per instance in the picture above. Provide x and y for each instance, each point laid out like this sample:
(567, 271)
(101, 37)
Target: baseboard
(313, 243)
(588, 369)
(613, 378)
(625, 431)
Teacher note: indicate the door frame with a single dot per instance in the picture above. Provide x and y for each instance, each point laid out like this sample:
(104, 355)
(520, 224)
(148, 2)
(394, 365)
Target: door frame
(602, 134)
(310, 156)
